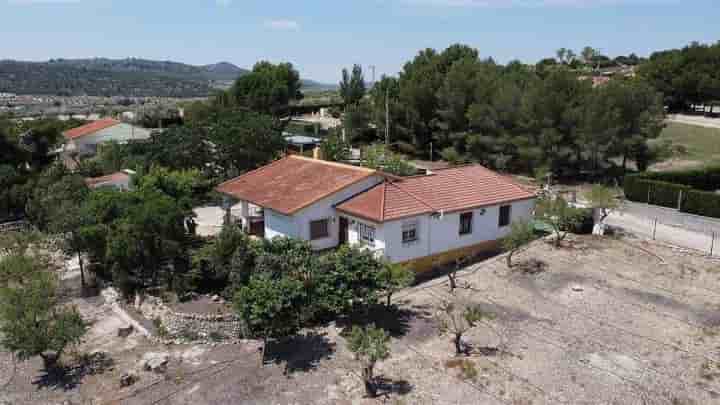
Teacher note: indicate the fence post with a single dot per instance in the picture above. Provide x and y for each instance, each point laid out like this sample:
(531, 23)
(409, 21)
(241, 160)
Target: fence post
(654, 228)
(680, 196)
(712, 244)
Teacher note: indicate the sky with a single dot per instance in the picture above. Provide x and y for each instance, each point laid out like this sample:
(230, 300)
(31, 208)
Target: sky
(320, 37)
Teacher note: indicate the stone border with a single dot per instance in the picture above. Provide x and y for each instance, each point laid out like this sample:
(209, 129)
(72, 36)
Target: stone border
(185, 328)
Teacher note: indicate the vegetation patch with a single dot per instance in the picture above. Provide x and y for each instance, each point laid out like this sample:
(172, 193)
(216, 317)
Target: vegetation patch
(692, 191)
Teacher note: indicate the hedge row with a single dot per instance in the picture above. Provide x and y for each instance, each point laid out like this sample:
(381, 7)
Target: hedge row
(706, 178)
(654, 191)
(702, 203)
(654, 188)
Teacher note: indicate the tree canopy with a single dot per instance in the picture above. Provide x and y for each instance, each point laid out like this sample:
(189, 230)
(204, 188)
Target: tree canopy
(268, 88)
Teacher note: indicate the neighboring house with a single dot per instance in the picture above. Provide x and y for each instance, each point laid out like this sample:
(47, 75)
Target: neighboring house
(121, 180)
(84, 140)
(301, 143)
(422, 221)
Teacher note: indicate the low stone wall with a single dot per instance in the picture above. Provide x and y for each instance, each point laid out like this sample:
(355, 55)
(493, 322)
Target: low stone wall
(212, 328)
(181, 327)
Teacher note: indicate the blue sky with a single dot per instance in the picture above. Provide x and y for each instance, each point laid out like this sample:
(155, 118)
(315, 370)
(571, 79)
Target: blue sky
(322, 36)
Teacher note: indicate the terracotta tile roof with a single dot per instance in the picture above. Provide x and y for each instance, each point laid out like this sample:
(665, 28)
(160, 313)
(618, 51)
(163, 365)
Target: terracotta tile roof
(447, 190)
(93, 182)
(90, 128)
(292, 183)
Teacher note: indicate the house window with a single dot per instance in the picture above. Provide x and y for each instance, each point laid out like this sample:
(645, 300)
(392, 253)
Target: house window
(410, 232)
(319, 229)
(504, 216)
(366, 234)
(466, 220)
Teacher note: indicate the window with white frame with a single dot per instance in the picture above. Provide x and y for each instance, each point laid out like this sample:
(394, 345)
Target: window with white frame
(410, 232)
(366, 234)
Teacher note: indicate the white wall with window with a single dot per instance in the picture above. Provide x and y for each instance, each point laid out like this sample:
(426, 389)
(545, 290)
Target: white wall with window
(426, 235)
(366, 234)
(317, 223)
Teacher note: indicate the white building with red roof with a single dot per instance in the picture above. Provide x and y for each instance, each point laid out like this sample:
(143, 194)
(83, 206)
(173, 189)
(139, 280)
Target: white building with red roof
(84, 140)
(423, 221)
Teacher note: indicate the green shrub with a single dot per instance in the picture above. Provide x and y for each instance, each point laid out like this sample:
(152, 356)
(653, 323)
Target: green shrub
(697, 187)
(654, 191)
(702, 203)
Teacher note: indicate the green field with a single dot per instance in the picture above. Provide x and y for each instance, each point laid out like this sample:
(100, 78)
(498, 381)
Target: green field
(699, 143)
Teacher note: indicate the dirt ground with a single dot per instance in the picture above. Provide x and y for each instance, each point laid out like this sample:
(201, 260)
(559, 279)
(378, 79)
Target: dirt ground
(605, 322)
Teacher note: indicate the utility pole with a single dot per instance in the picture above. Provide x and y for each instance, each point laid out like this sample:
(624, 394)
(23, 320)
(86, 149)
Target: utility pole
(387, 116)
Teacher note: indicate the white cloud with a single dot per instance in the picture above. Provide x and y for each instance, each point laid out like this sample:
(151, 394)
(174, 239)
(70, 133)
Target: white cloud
(282, 25)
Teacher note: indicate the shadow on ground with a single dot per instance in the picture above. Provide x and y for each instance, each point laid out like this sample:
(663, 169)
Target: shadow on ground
(398, 322)
(387, 386)
(69, 377)
(300, 353)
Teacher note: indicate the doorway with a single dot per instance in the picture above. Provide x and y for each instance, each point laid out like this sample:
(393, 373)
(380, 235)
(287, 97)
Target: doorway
(344, 229)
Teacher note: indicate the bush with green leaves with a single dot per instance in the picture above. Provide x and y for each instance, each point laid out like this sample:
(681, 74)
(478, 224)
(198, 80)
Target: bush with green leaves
(33, 322)
(273, 306)
(394, 277)
(346, 279)
(370, 345)
(521, 233)
(602, 198)
(559, 215)
(456, 318)
(693, 191)
(223, 261)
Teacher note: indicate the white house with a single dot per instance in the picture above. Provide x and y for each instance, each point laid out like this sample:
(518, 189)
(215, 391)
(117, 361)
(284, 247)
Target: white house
(84, 140)
(422, 220)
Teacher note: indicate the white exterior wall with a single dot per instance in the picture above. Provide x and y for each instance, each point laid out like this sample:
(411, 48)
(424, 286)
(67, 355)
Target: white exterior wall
(298, 225)
(278, 225)
(354, 237)
(438, 235)
(120, 133)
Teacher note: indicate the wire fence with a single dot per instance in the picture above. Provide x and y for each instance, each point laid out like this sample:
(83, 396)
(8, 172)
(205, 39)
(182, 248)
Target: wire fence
(671, 226)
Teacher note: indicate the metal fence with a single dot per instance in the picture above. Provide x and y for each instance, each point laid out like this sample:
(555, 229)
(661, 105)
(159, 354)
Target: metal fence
(671, 226)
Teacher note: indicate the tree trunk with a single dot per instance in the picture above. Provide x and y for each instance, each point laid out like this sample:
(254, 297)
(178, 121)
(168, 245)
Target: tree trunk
(264, 348)
(509, 259)
(457, 340)
(453, 285)
(50, 360)
(368, 379)
(82, 270)
(389, 300)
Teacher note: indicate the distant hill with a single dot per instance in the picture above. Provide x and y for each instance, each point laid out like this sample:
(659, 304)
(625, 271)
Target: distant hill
(121, 77)
(113, 77)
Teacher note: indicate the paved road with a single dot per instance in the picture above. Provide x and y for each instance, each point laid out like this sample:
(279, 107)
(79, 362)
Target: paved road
(672, 227)
(695, 120)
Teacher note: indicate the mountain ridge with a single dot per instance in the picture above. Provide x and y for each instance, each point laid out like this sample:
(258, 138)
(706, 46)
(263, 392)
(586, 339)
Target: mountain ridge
(121, 77)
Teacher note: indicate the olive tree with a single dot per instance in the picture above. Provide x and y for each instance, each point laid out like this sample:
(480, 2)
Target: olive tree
(271, 306)
(521, 233)
(395, 277)
(370, 345)
(559, 215)
(602, 199)
(456, 318)
(32, 320)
